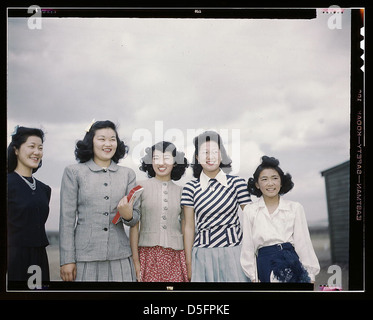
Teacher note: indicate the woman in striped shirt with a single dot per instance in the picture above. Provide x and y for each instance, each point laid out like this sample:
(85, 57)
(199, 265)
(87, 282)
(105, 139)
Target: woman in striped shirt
(213, 242)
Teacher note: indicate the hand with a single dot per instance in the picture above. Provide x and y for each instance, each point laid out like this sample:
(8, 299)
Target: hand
(68, 272)
(189, 269)
(137, 269)
(125, 208)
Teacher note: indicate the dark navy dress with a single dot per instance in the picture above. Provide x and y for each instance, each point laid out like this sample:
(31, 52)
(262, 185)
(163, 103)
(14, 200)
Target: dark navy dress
(27, 213)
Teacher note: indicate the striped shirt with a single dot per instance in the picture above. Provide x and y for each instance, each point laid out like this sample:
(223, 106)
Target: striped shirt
(215, 208)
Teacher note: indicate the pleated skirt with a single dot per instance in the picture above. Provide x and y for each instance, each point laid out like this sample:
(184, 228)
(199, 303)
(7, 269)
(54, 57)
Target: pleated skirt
(217, 265)
(106, 271)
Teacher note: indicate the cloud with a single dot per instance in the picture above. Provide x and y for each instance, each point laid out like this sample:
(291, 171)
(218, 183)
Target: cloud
(283, 85)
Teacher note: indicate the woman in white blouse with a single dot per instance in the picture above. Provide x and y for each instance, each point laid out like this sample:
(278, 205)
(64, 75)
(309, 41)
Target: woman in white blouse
(276, 243)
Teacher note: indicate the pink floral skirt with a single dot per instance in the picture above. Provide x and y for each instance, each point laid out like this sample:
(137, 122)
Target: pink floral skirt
(160, 264)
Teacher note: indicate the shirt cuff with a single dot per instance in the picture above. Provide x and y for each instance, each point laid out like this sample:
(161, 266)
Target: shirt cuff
(127, 221)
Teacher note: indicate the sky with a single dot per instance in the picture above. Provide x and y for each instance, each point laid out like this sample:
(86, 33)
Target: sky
(270, 87)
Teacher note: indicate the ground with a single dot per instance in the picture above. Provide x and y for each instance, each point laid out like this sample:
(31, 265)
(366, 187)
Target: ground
(321, 244)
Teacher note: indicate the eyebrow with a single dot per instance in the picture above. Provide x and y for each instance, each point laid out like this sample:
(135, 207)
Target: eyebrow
(35, 143)
(274, 175)
(162, 155)
(209, 149)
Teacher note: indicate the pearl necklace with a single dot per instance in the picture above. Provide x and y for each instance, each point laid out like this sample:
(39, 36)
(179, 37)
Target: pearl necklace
(31, 185)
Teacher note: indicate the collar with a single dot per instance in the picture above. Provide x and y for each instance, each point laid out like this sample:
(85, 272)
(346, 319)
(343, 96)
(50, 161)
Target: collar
(283, 203)
(96, 168)
(204, 180)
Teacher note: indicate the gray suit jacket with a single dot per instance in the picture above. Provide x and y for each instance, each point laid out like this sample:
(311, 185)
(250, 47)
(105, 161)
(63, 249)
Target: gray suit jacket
(89, 199)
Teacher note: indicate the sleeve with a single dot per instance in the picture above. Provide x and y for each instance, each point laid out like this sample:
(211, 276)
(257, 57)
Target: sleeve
(248, 259)
(182, 216)
(187, 196)
(243, 195)
(136, 205)
(49, 193)
(303, 244)
(68, 214)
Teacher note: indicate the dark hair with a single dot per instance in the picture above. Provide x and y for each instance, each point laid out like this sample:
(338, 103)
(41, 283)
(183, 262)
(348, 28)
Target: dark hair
(19, 137)
(180, 162)
(226, 161)
(84, 148)
(270, 163)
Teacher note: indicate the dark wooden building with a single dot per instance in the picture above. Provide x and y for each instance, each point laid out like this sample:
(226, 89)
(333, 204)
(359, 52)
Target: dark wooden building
(337, 184)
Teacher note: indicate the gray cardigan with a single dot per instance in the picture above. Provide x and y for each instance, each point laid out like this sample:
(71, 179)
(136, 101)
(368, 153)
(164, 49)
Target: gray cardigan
(89, 199)
(161, 212)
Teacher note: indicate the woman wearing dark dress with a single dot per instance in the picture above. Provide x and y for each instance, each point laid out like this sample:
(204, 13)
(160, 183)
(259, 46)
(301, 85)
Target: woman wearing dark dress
(28, 206)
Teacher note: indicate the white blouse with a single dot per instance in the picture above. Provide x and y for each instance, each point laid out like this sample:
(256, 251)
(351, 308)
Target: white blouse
(286, 224)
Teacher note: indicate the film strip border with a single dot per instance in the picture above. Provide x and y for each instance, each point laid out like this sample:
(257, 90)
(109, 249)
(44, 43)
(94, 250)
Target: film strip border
(357, 154)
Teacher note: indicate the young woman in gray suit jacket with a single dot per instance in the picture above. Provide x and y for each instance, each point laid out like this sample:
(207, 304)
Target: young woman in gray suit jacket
(92, 248)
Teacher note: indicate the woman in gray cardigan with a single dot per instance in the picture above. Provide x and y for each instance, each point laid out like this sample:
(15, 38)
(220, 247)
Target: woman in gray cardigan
(92, 248)
(157, 240)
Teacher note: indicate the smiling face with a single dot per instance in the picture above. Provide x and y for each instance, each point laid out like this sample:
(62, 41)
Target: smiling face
(29, 155)
(209, 156)
(162, 163)
(104, 146)
(269, 183)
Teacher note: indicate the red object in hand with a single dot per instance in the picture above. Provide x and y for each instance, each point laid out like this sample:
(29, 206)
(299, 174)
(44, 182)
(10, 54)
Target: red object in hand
(134, 191)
